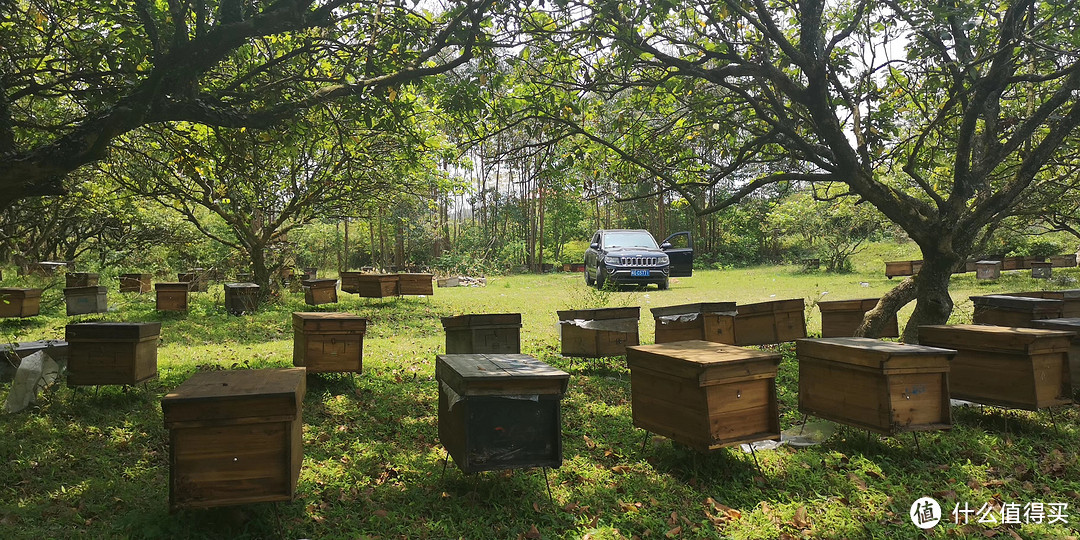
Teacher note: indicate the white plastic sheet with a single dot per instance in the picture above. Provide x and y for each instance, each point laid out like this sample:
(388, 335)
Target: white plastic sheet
(36, 372)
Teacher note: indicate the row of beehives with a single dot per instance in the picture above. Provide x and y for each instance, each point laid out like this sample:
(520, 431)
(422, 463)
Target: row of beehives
(990, 266)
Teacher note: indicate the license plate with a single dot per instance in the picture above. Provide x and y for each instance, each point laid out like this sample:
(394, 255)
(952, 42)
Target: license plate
(639, 273)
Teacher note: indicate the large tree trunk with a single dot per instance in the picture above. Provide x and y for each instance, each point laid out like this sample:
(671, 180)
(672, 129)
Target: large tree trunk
(929, 288)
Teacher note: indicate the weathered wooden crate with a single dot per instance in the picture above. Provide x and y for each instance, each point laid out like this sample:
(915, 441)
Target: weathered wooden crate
(320, 291)
(83, 300)
(172, 296)
(328, 342)
(449, 282)
(593, 333)
(708, 321)
(196, 279)
(767, 323)
(882, 386)
(81, 279)
(135, 283)
(901, 268)
(1012, 263)
(17, 302)
(1063, 261)
(988, 270)
(1004, 310)
(1070, 324)
(241, 298)
(491, 333)
(370, 285)
(415, 284)
(1023, 368)
(703, 394)
(235, 437)
(500, 411)
(1070, 298)
(841, 318)
(1041, 270)
(111, 353)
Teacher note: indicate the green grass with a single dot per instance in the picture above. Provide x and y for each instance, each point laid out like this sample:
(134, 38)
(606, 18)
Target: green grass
(95, 464)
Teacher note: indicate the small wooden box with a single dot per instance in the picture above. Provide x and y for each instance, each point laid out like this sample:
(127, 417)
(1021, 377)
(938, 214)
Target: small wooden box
(500, 411)
(703, 394)
(449, 282)
(593, 333)
(768, 323)
(320, 291)
(494, 333)
(241, 298)
(1012, 263)
(111, 353)
(415, 284)
(1003, 310)
(370, 285)
(1070, 324)
(16, 302)
(1022, 368)
(235, 437)
(83, 300)
(1071, 298)
(987, 269)
(135, 283)
(196, 280)
(1063, 261)
(1041, 270)
(328, 342)
(841, 318)
(708, 321)
(897, 268)
(81, 279)
(172, 296)
(882, 386)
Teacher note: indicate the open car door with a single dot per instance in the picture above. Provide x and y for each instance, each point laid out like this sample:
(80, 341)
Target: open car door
(680, 249)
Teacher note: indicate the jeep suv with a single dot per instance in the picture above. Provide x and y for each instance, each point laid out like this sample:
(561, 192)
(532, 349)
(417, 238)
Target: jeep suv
(632, 257)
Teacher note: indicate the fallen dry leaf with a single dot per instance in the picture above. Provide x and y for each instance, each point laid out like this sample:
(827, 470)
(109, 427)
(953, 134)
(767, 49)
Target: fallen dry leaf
(619, 469)
(800, 521)
(380, 513)
(536, 506)
(533, 533)
(673, 532)
(875, 475)
(859, 482)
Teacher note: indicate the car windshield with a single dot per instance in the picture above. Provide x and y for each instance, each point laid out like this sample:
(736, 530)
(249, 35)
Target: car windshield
(620, 239)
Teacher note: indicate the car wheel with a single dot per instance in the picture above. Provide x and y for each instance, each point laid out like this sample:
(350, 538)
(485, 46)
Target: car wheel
(663, 285)
(600, 277)
(588, 280)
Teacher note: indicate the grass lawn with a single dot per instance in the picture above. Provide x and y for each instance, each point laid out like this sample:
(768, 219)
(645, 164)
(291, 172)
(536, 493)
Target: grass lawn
(95, 464)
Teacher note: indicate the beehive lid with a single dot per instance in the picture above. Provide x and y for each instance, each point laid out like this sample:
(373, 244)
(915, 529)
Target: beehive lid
(978, 337)
(873, 353)
(16, 292)
(241, 286)
(138, 275)
(707, 361)
(988, 262)
(728, 308)
(319, 283)
(328, 321)
(487, 319)
(499, 374)
(112, 330)
(84, 275)
(376, 277)
(863, 304)
(1066, 324)
(1016, 303)
(269, 394)
(795, 304)
(600, 314)
(171, 286)
(417, 276)
(79, 291)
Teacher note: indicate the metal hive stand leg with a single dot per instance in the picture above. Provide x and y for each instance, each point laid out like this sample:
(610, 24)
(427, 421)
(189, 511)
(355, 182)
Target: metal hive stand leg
(1053, 420)
(644, 441)
(915, 435)
(753, 453)
(548, 484)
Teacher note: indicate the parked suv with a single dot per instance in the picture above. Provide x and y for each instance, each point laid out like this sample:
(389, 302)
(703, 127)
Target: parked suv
(632, 257)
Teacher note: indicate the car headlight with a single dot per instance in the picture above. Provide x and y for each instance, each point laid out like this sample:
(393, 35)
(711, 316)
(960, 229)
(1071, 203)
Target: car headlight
(663, 259)
(612, 259)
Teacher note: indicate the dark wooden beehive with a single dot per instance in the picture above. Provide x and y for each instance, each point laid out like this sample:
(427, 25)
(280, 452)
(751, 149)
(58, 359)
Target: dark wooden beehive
(415, 284)
(241, 298)
(81, 279)
(708, 321)
(882, 386)
(16, 302)
(1070, 324)
(1041, 270)
(767, 323)
(598, 332)
(1070, 298)
(172, 296)
(320, 291)
(1022, 368)
(987, 269)
(703, 394)
(235, 437)
(841, 318)
(111, 353)
(83, 300)
(500, 411)
(328, 342)
(1063, 261)
(135, 283)
(370, 285)
(196, 279)
(491, 333)
(1003, 310)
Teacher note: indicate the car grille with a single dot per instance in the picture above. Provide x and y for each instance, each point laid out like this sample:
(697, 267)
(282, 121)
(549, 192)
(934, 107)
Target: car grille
(637, 261)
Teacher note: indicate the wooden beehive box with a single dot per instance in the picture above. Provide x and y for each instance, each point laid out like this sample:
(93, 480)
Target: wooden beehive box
(1003, 310)
(841, 318)
(235, 437)
(415, 284)
(708, 321)
(767, 323)
(172, 296)
(328, 342)
(1067, 324)
(1041, 270)
(1012, 263)
(897, 268)
(1023, 368)
(882, 386)
(111, 353)
(1063, 261)
(1070, 298)
(376, 285)
(241, 298)
(703, 394)
(81, 279)
(83, 300)
(16, 302)
(598, 332)
(320, 291)
(987, 269)
(491, 333)
(196, 280)
(500, 411)
(135, 283)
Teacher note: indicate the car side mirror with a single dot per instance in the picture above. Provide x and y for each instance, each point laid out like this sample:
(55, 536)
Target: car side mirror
(594, 245)
(665, 245)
